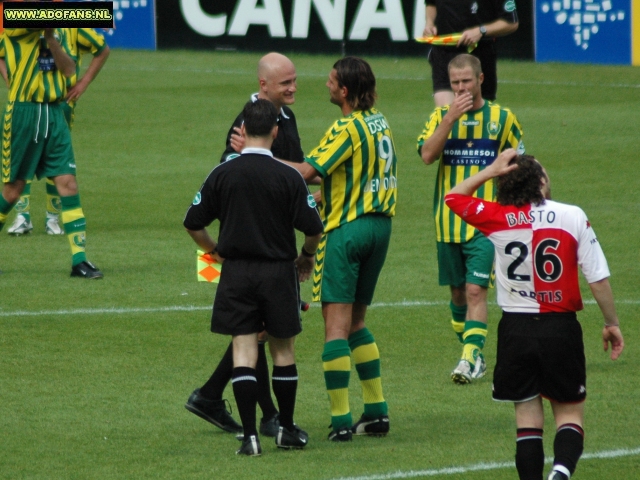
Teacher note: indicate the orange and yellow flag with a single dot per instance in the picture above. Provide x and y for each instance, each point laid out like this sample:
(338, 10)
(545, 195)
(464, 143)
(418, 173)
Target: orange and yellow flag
(208, 268)
(450, 40)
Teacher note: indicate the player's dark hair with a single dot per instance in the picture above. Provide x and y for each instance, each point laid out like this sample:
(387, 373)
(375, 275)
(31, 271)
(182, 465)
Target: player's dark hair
(259, 117)
(522, 185)
(356, 74)
(465, 60)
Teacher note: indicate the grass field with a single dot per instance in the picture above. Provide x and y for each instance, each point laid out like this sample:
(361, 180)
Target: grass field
(94, 375)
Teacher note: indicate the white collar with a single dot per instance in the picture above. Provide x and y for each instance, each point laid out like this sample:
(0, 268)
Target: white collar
(254, 97)
(256, 150)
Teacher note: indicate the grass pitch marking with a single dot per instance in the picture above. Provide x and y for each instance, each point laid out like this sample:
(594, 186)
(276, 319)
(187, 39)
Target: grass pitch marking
(623, 452)
(418, 78)
(196, 308)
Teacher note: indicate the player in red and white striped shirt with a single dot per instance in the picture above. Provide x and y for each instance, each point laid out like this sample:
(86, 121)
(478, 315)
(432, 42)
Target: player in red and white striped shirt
(540, 245)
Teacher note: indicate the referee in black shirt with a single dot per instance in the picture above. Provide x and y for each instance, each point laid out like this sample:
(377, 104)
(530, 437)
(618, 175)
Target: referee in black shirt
(260, 202)
(277, 79)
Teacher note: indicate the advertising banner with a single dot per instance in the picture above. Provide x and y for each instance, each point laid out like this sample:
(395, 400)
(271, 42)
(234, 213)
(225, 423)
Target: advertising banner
(135, 25)
(585, 31)
(360, 27)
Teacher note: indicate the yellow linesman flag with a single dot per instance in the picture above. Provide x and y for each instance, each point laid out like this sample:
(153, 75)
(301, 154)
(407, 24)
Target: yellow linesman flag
(208, 268)
(446, 40)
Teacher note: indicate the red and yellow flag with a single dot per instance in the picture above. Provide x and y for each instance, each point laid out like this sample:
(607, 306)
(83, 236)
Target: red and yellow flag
(450, 40)
(208, 268)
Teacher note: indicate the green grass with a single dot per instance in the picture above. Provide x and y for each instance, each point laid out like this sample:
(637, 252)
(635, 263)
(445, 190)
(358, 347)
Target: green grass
(98, 392)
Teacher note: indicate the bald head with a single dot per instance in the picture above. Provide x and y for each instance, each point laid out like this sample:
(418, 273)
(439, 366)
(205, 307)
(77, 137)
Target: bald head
(272, 63)
(277, 79)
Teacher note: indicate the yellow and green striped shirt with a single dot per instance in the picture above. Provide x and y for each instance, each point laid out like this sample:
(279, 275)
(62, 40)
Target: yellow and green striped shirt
(476, 140)
(81, 41)
(33, 75)
(358, 165)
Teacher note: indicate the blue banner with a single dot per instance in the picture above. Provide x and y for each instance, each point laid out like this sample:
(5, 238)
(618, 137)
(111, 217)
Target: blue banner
(135, 25)
(583, 31)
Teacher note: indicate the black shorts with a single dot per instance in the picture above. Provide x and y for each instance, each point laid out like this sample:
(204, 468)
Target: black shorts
(439, 58)
(540, 354)
(256, 295)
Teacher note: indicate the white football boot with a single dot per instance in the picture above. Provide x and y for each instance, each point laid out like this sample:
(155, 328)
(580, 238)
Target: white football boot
(20, 226)
(52, 225)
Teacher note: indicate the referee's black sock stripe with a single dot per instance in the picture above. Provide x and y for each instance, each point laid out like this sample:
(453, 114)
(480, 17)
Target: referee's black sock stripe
(245, 390)
(285, 386)
(239, 372)
(246, 378)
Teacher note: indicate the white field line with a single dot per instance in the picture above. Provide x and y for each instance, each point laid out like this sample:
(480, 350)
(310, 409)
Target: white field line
(196, 308)
(380, 77)
(624, 452)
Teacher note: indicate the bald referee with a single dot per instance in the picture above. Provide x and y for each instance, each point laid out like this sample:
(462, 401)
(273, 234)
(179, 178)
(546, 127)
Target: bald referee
(259, 202)
(277, 84)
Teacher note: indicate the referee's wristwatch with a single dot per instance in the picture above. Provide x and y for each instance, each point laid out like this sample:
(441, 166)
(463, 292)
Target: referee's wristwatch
(483, 30)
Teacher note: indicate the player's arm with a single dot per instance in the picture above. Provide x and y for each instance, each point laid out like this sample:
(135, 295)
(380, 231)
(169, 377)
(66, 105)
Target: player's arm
(611, 333)
(3, 71)
(306, 170)
(315, 179)
(433, 146)
(64, 62)
(499, 167)
(97, 62)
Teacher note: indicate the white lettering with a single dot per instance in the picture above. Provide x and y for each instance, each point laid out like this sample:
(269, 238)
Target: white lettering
(200, 21)
(481, 275)
(388, 183)
(522, 218)
(368, 16)
(540, 214)
(331, 16)
(248, 13)
(549, 296)
(377, 125)
(419, 19)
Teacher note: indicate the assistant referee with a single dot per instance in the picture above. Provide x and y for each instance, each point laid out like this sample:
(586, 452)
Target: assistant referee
(260, 202)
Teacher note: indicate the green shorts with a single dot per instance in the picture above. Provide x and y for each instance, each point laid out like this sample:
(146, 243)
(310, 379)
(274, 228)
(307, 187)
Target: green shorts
(468, 262)
(40, 142)
(354, 255)
(69, 112)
